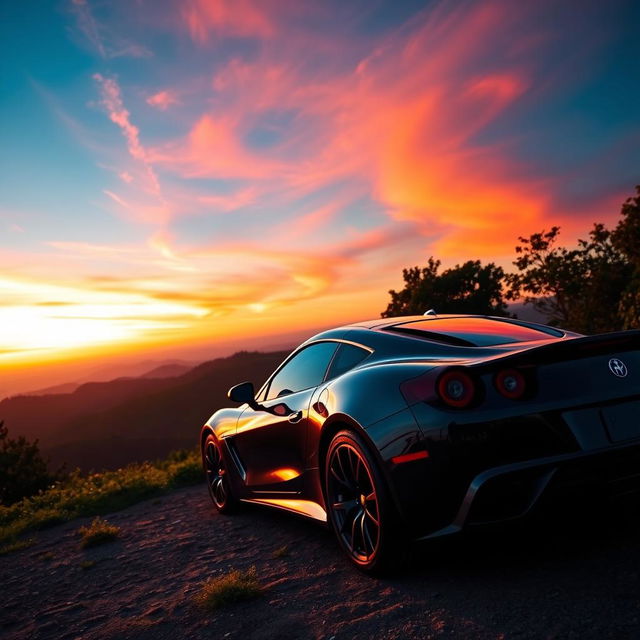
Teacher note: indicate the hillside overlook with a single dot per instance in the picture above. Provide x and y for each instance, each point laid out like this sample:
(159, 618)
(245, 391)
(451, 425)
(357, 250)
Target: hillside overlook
(105, 425)
(559, 580)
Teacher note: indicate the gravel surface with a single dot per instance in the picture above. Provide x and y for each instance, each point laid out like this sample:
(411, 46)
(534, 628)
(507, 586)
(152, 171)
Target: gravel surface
(546, 579)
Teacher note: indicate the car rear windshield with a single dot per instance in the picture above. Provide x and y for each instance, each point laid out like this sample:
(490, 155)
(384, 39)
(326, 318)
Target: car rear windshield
(475, 332)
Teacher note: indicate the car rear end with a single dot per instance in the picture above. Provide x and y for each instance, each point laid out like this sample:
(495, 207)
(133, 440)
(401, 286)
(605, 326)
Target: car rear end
(503, 431)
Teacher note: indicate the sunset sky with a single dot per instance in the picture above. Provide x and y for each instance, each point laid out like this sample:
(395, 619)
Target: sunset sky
(194, 172)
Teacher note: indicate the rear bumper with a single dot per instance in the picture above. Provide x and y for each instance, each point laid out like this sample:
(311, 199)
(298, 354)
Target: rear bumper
(512, 491)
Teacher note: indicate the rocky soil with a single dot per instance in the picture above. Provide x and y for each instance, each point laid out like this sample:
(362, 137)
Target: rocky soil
(578, 579)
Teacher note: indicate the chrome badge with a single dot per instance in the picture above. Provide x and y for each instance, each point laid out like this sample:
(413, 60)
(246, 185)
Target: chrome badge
(618, 368)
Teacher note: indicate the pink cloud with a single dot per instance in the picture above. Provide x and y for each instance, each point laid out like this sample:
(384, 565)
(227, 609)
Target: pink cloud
(214, 149)
(155, 213)
(150, 206)
(163, 99)
(231, 17)
(112, 101)
(230, 202)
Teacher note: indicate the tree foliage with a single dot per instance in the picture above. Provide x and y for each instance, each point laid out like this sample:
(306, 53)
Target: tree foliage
(577, 289)
(592, 288)
(466, 288)
(626, 237)
(23, 471)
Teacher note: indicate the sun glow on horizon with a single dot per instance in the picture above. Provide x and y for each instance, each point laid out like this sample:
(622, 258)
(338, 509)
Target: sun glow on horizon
(50, 318)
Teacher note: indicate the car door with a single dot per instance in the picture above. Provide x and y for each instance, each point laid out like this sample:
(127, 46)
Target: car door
(271, 448)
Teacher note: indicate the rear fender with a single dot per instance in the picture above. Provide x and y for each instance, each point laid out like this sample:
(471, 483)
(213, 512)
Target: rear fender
(401, 498)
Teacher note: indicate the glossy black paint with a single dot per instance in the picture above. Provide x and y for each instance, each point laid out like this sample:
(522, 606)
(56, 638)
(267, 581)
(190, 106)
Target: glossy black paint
(575, 423)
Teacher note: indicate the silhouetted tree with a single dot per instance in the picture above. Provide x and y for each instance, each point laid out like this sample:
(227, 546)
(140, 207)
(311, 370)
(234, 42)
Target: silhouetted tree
(23, 471)
(591, 289)
(466, 288)
(626, 238)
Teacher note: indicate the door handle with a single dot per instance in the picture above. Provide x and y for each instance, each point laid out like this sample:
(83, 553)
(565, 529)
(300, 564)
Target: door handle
(295, 417)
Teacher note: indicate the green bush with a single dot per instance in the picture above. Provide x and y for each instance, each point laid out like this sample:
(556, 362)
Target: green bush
(23, 471)
(98, 532)
(185, 473)
(99, 493)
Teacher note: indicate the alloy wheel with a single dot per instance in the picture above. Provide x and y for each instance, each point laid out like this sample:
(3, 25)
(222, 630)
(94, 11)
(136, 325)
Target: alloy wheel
(214, 467)
(353, 501)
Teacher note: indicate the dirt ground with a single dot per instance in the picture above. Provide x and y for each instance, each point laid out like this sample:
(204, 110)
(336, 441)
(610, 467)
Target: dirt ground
(577, 579)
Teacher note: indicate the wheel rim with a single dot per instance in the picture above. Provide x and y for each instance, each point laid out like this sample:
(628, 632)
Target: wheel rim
(214, 467)
(353, 502)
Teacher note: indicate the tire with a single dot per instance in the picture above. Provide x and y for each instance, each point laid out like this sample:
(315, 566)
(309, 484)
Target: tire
(359, 507)
(217, 476)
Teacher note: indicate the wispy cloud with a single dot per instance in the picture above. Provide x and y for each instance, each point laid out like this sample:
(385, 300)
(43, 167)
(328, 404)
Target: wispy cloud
(102, 39)
(159, 210)
(112, 101)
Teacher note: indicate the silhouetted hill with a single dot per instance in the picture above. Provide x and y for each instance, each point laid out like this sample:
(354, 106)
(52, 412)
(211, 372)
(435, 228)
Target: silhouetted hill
(109, 424)
(65, 387)
(168, 371)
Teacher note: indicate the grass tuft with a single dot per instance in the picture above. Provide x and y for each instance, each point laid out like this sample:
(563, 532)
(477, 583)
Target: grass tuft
(16, 545)
(231, 587)
(99, 493)
(98, 532)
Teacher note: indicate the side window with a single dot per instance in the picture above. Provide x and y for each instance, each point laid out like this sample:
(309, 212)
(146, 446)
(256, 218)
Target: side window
(347, 357)
(305, 370)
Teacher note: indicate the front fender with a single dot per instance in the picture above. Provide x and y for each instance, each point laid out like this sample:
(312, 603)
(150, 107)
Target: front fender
(222, 423)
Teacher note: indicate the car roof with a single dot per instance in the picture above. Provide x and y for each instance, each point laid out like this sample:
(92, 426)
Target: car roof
(385, 323)
(405, 325)
(381, 323)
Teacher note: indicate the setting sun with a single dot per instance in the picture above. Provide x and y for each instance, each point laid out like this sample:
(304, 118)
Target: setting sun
(51, 317)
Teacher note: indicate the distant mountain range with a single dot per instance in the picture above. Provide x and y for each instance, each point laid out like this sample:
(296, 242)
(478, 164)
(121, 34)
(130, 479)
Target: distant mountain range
(170, 369)
(102, 425)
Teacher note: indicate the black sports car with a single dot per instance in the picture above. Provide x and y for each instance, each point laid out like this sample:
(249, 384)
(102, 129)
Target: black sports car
(419, 426)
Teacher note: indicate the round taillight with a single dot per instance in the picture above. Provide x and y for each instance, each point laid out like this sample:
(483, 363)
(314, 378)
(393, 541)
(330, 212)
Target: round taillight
(511, 384)
(456, 389)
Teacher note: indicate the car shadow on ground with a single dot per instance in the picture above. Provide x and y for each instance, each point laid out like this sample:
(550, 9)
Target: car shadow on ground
(558, 534)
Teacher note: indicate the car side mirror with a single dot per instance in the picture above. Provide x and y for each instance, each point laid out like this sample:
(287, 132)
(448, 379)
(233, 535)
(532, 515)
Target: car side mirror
(243, 392)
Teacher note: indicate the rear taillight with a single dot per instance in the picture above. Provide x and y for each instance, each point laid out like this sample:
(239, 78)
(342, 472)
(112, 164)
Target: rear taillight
(511, 384)
(422, 388)
(456, 389)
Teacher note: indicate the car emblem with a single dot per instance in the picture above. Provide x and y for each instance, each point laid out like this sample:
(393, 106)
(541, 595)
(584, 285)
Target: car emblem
(618, 368)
